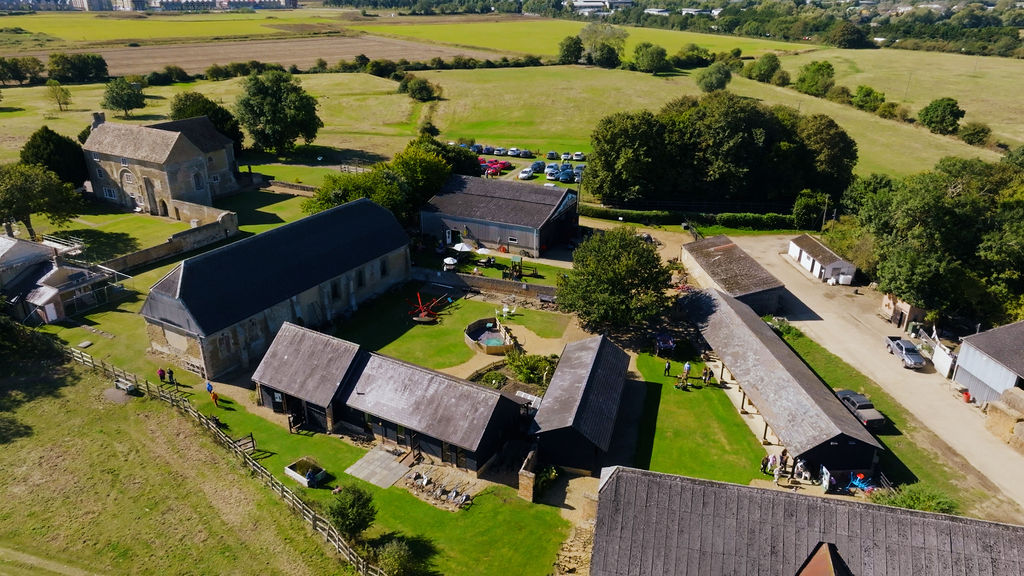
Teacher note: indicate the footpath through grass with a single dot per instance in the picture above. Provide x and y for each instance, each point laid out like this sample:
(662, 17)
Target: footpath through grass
(133, 488)
(908, 456)
(694, 433)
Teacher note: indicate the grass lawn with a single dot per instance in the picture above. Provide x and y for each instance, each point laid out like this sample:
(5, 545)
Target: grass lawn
(546, 275)
(540, 36)
(133, 488)
(384, 326)
(261, 210)
(295, 173)
(987, 88)
(93, 28)
(693, 433)
(110, 232)
(486, 539)
(907, 457)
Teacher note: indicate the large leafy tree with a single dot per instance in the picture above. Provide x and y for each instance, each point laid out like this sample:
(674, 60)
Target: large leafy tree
(763, 69)
(833, 153)
(27, 189)
(617, 280)
(941, 116)
(352, 511)
(58, 153)
(60, 95)
(650, 58)
(599, 33)
(714, 77)
(191, 104)
(124, 96)
(570, 50)
(76, 67)
(276, 111)
(816, 78)
(845, 34)
(627, 163)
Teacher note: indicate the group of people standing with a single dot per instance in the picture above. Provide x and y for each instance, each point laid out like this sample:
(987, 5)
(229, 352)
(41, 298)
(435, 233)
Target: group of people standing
(684, 376)
(776, 465)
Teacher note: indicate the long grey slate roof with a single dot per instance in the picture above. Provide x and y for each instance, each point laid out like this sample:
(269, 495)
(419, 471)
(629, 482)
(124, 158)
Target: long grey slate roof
(133, 141)
(585, 390)
(651, 524)
(812, 246)
(492, 200)
(1004, 344)
(306, 364)
(730, 266)
(442, 406)
(212, 291)
(802, 411)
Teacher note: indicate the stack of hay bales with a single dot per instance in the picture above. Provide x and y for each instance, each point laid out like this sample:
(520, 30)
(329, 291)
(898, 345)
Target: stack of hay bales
(1006, 418)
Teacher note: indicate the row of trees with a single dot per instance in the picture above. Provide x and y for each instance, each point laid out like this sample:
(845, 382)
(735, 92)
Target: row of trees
(949, 240)
(722, 148)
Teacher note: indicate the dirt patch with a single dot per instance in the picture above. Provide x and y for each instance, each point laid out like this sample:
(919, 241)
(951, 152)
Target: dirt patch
(303, 52)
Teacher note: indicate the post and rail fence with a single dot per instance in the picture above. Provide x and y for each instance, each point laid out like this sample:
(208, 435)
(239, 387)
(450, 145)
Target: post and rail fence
(241, 447)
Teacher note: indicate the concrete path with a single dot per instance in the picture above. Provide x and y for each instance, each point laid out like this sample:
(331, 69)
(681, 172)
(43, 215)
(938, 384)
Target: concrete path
(845, 323)
(378, 467)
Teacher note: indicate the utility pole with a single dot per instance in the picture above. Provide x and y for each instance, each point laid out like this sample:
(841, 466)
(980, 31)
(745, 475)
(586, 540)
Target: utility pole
(824, 213)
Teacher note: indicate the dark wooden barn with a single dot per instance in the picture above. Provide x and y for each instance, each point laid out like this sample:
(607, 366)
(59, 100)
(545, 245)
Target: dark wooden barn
(501, 214)
(576, 418)
(444, 417)
(302, 375)
(652, 524)
(801, 410)
(717, 262)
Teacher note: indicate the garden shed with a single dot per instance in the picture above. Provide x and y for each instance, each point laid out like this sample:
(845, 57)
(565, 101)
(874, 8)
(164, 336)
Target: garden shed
(821, 261)
(503, 215)
(992, 362)
(303, 373)
(652, 524)
(575, 421)
(444, 417)
(801, 410)
(718, 263)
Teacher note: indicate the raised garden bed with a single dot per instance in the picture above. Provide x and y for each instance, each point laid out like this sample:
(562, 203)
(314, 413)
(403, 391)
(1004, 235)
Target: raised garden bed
(306, 471)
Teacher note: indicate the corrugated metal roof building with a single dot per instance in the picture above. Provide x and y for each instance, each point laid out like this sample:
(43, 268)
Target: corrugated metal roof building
(992, 362)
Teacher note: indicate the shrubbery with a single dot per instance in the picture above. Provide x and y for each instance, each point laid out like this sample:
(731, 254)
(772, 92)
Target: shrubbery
(770, 221)
(916, 497)
(531, 368)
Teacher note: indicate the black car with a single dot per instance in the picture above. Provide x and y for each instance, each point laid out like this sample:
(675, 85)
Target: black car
(862, 408)
(567, 177)
(538, 167)
(525, 154)
(476, 148)
(552, 155)
(488, 149)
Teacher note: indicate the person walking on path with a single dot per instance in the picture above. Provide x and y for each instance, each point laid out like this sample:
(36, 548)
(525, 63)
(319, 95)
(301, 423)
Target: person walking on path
(773, 460)
(161, 374)
(215, 398)
(170, 376)
(764, 464)
(706, 376)
(778, 474)
(686, 371)
(668, 367)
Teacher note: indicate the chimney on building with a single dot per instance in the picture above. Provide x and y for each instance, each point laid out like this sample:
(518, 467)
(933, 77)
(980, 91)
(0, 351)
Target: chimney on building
(98, 118)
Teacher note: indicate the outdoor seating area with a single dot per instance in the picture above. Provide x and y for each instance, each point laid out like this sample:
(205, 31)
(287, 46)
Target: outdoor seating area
(489, 336)
(446, 488)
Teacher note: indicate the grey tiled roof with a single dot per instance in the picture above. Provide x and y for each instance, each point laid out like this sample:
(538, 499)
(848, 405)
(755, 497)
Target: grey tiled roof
(199, 131)
(651, 524)
(492, 200)
(212, 291)
(132, 141)
(306, 364)
(1004, 344)
(441, 406)
(730, 267)
(802, 411)
(585, 390)
(813, 247)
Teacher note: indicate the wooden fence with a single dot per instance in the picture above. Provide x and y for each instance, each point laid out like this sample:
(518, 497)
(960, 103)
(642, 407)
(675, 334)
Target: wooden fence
(241, 447)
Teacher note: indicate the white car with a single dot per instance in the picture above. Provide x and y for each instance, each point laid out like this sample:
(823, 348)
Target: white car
(499, 151)
(526, 174)
(513, 152)
(551, 174)
(578, 156)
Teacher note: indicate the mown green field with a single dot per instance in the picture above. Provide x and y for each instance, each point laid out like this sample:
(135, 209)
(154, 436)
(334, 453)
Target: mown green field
(94, 487)
(540, 36)
(97, 27)
(987, 88)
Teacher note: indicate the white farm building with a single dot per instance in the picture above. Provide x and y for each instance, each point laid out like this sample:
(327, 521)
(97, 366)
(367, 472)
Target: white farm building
(820, 261)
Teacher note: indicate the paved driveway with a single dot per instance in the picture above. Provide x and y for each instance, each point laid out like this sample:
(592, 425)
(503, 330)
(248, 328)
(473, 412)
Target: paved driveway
(846, 324)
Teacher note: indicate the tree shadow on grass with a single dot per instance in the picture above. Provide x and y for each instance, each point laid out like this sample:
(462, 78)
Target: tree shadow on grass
(29, 382)
(10, 109)
(101, 246)
(422, 548)
(247, 205)
(149, 117)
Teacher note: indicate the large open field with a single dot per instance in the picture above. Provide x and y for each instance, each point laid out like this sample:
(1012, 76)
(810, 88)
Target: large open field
(987, 88)
(540, 36)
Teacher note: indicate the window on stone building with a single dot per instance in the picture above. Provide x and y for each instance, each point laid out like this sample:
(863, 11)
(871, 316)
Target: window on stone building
(129, 178)
(198, 182)
(110, 193)
(124, 161)
(383, 267)
(360, 278)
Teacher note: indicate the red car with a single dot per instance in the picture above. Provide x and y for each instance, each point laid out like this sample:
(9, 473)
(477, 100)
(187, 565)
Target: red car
(501, 164)
(493, 170)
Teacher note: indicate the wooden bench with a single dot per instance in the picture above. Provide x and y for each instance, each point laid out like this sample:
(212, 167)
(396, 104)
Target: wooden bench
(546, 299)
(122, 384)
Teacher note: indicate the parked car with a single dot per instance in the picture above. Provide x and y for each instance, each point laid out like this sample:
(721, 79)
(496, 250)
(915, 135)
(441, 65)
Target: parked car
(578, 156)
(862, 408)
(493, 170)
(566, 156)
(476, 148)
(551, 155)
(579, 168)
(525, 174)
(501, 164)
(488, 149)
(526, 154)
(551, 174)
(566, 166)
(513, 152)
(538, 166)
(554, 166)
(499, 151)
(906, 351)
(567, 177)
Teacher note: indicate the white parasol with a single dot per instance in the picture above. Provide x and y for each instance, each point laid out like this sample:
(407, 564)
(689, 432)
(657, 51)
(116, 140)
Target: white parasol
(484, 251)
(451, 261)
(462, 247)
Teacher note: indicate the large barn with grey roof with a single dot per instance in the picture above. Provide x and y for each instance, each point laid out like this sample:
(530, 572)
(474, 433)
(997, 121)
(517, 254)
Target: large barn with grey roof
(219, 311)
(801, 410)
(717, 262)
(576, 419)
(652, 524)
(501, 214)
